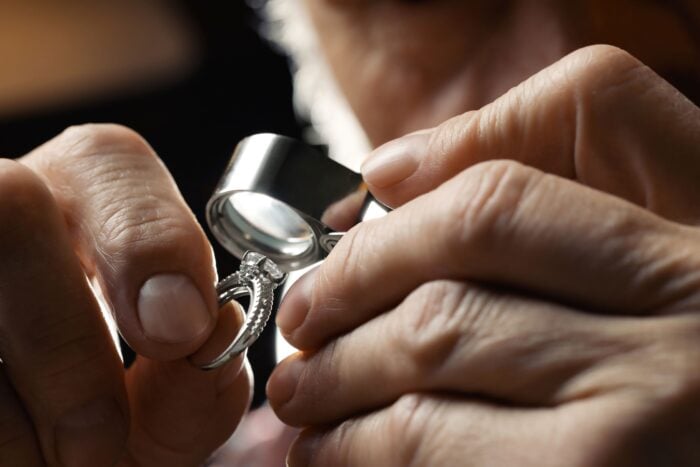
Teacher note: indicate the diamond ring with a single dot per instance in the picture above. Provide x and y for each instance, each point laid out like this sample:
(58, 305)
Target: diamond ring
(257, 277)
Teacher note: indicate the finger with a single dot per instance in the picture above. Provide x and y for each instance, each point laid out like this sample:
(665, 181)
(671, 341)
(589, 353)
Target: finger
(181, 414)
(598, 116)
(503, 223)
(261, 440)
(436, 430)
(135, 232)
(430, 430)
(456, 338)
(56, 348)
(18, 443)
(343, 214)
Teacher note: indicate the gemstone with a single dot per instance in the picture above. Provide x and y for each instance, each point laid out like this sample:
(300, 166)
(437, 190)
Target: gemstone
(273, 270)
(256, 260)
(252, 258)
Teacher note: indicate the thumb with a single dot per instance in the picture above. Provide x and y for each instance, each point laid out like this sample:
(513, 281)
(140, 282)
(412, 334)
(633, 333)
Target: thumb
(134, 232)
(598, 116)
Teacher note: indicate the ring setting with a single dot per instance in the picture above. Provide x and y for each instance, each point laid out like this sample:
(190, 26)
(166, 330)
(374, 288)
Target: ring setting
(258, 277)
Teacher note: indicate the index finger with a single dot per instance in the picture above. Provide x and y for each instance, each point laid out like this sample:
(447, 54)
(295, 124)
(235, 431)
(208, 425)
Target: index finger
(598, 116)
(133, 230)
(506, 224)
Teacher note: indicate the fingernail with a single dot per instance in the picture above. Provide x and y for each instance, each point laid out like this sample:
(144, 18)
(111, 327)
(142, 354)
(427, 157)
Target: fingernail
(302, 451)
(296, 303)
(93, 434)
(396, 160)
(284, 380)
(172, 310)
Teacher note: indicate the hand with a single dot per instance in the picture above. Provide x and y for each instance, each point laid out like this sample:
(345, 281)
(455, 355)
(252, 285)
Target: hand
(508, 317)
(591, 364)
(261, 440)
(96, 201)
(598, 116)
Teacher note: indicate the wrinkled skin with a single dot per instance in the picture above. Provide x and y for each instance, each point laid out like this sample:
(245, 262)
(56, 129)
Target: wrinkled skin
(532, 300)
(534, 297)
(96, 201)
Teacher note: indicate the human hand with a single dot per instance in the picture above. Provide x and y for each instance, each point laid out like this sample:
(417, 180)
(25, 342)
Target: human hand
(261, 440)
(580, 355)
(592, 360)
(598, 116)
(97, 201)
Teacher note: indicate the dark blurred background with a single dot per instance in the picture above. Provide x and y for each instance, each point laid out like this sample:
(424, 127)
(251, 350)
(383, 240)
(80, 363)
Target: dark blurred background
(192, 76)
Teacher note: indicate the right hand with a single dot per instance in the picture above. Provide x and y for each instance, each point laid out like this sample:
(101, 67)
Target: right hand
(97, 201)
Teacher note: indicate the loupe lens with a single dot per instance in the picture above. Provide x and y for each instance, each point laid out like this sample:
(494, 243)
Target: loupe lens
(272, 197)
(266, 225)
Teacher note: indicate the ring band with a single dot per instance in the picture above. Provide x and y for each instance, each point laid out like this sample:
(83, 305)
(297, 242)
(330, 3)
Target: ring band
(258, 277)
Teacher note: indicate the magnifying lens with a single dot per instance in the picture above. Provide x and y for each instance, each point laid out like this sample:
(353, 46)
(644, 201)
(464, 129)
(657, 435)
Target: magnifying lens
(271, 197)
(266, 211)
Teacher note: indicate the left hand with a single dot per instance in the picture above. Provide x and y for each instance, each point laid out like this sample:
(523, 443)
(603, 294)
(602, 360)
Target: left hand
(585, 356)
(97, 202)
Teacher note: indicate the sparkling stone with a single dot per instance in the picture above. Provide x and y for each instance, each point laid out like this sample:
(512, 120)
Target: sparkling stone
(256, 260)
(273, 270)
(252, 258)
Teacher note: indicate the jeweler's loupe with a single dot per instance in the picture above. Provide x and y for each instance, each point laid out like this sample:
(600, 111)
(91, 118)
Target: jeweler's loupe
(272, 196)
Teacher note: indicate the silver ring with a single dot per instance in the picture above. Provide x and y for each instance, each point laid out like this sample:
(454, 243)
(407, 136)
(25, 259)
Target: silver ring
(258, 277)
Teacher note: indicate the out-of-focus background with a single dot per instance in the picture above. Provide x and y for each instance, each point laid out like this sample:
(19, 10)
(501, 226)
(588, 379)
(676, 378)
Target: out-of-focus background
(192, 76)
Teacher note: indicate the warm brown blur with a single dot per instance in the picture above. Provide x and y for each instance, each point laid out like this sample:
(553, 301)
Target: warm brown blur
(409, 65)
(58, 52)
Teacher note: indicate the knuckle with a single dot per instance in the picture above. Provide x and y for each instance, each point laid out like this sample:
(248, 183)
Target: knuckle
(441, 316)
(346, 446)
(487, 200)
(147, 227)
(133, 203)
(409, 419)
(429, 332)
(676, 380)
(605, 55)
(106, 162)
(597, 67)
(24, 198)
(96, 139)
